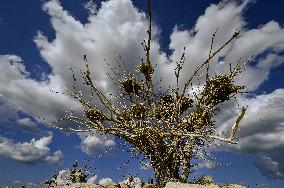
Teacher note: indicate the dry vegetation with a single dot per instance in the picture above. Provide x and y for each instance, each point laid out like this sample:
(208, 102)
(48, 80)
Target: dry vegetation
(168, 128)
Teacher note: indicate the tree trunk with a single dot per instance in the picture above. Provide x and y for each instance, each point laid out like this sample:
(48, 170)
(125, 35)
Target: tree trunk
(185, 170)
(166, 174)
(165, 171)
(167, 163)
(187, 155)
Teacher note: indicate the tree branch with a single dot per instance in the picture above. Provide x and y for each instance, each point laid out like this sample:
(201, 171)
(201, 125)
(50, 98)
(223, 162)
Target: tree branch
(207, 61)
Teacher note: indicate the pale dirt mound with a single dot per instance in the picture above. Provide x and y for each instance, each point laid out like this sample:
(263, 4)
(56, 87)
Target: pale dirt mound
(186, 185)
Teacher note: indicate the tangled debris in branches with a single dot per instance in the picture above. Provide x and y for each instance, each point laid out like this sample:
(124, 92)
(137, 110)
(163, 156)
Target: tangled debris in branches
(147, 70)
(131, 86)
(219, 89)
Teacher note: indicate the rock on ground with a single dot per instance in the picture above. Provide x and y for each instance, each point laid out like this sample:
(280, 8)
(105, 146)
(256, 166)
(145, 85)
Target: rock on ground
(187, 185)
(233, 186)
(212, 185)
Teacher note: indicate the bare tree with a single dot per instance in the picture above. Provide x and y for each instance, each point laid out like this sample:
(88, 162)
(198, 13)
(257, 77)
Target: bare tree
(168, 128)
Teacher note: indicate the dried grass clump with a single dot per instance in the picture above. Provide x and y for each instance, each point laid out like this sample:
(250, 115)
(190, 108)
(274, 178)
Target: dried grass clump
(147, 70)
(219, 89)
(131, 86)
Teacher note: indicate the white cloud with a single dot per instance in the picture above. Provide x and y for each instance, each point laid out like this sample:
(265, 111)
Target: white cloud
(26, 122)
(263, 122)
(33, 185)
(28, 125)
(227, 16)
(270, 168)
(261, 130)
(28, 95)
(107, 32)
(17, 182)
(91, 7)
(55, 158)
(106, 182)
(135, 183)
(7, 111)
(205, 164)
(94, 143)
(92, 179)
(29, 184)
(28, 152)
(266, 43)
(63, 177)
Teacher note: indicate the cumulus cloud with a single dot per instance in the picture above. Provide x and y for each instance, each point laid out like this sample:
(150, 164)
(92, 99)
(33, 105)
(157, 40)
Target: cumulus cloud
(29, 126)
(270, 168)
(91, 7)
(227, 16)
(92, 179)
(261, 131)
(55, 157)
(106, 182)
(205, 164)
(134, 183)
(29, 152)
(63, 177)
(32, 185)
(94, 143)
(29, 184)
(28, 95)
(7, 111)
(31, 96)
(262, 126)
(26, 122)
(17, 182)
(106, 32)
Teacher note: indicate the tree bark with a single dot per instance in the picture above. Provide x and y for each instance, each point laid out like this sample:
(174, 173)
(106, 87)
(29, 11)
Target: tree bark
(166, 169)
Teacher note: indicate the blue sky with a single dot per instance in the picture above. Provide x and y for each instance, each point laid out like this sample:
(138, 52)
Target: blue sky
(40, 39)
